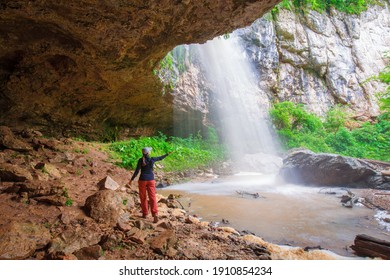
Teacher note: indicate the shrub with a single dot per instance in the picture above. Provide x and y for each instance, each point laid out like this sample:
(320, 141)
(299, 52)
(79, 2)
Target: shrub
(189, 153)
(298, 128)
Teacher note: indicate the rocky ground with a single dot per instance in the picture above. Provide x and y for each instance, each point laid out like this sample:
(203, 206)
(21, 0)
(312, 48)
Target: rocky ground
(66, 199)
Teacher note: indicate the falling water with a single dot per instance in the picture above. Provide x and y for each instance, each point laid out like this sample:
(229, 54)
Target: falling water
(240, 105)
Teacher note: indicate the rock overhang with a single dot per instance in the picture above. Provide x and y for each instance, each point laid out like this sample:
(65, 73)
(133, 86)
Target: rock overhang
(68, 67)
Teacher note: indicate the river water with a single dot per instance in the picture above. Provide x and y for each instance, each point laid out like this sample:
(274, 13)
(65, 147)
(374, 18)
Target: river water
(283, 214)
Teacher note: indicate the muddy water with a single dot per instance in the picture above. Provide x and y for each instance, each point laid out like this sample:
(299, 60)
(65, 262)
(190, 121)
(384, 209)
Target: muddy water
(282, 214)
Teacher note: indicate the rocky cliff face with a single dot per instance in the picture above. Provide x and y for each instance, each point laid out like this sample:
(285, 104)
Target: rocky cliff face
(316, 59)
(69, 66)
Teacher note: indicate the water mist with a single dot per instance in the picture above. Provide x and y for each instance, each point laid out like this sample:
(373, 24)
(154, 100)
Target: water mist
(240, 105)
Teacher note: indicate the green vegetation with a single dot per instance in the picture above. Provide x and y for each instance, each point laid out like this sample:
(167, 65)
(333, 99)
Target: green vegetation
(384, 77)
(69, 201)
(346, 6)
(298, 128)
(189, 153)
(172, 65)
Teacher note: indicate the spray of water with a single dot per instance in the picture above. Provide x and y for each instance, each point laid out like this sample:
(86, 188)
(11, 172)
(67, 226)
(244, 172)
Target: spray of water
(240, 106)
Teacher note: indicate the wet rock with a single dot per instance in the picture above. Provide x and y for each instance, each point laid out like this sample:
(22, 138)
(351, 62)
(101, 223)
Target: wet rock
(13, 173)
(162, 185)
(108, 183)
(20, 240)
(74, 238)
(9, 141)
(260, 251)
(192, 220)
(165, 240)
(107, 206)
(306, 167)
(229, 230)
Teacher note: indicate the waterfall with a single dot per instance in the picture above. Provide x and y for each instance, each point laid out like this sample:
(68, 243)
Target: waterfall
(241, 106)
(236, 104)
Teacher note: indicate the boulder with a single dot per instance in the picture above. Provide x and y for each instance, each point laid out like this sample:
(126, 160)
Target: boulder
(306, 167)
(9, 141)
(13, 173)
(107, 206)
(19, 240)
(108, 183)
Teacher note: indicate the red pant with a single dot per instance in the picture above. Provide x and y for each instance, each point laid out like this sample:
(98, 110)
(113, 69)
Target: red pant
(150, 187)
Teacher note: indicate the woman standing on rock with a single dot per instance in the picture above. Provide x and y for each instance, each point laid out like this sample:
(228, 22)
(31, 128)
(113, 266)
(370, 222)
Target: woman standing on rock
(146, 182)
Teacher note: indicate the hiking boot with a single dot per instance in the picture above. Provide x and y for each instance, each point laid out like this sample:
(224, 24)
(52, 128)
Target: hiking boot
(155, 219)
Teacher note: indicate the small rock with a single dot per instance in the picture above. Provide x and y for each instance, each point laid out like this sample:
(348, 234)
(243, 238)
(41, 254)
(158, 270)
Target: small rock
(108, 183)
(49, 169)
(176, 212)
(228, 230)
(89, 253)
(57, 200)
(71, 214)
(123, 226)
(165, 240)
(386, 172)
(192, 220)
(137, 235)
(164, 225)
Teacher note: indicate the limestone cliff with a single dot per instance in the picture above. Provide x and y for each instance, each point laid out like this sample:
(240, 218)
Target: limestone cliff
(69, 66)
(318, 59)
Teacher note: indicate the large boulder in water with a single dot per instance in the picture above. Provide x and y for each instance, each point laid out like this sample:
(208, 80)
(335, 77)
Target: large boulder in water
(306, 167)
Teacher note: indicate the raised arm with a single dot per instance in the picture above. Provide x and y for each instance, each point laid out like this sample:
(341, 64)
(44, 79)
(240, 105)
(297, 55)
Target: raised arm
(160, 157)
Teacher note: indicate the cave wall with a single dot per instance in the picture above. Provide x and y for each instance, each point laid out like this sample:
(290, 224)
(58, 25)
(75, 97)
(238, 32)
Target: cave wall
(71, 67)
